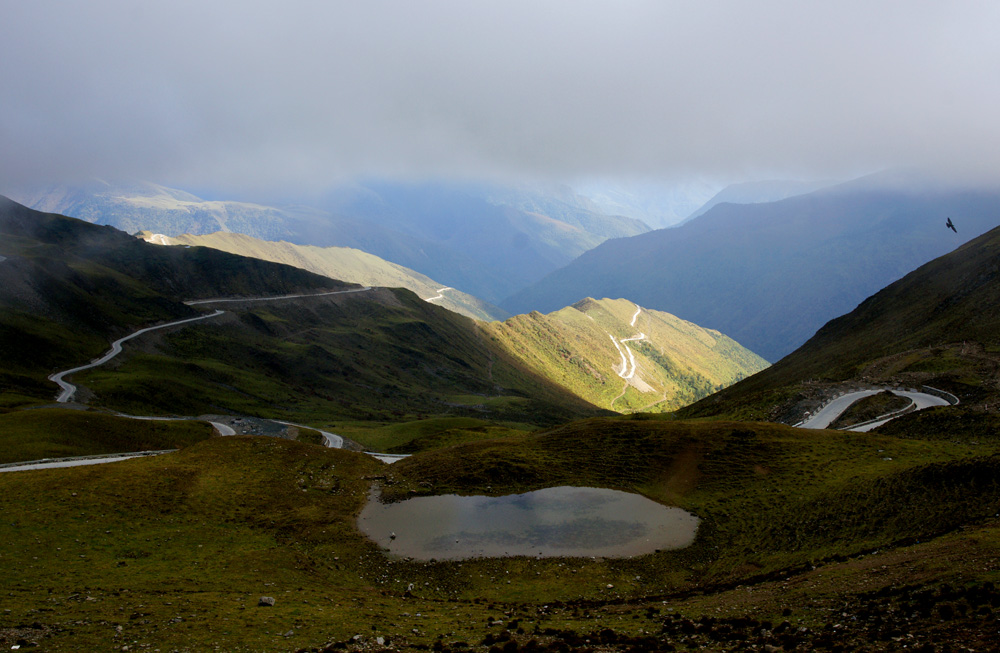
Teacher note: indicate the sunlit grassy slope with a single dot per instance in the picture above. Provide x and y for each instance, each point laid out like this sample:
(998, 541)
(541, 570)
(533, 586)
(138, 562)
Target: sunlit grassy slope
(582, 348)
(344, 263)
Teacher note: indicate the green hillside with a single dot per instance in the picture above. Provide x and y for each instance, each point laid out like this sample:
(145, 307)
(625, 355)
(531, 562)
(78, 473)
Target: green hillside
(807, 540)
(379, 355)
(70, 287)
(344, 263)
(67, 288)
(174, 552)
(588, 347)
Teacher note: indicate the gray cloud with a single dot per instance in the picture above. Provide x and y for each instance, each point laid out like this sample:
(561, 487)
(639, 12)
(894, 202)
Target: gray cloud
(299, 94)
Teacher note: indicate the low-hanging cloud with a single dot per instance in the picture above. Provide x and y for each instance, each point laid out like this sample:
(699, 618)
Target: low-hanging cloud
(245, 94)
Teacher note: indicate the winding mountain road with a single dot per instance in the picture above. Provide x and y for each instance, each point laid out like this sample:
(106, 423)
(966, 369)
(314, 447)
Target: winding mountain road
(53, 463)
(628, 366)
(825, 416)
(274, 299)
(68, 389)
(440, 294)
(333, 441)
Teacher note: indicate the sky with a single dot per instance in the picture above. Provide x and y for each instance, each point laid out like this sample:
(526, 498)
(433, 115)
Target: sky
(296, 96)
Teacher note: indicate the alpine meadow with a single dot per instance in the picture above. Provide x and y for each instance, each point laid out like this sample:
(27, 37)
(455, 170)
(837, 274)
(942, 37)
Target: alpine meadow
(499, 327)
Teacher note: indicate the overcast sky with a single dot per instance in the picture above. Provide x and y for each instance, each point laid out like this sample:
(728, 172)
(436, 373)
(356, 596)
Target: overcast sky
(241, 94)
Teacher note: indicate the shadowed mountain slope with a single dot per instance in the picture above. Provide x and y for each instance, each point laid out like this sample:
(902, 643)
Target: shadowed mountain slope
(69, 287)
(938, 325)
(769, 275)
(757, 192)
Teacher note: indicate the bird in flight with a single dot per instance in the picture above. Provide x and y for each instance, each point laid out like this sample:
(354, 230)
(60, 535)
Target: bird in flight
(951, 225)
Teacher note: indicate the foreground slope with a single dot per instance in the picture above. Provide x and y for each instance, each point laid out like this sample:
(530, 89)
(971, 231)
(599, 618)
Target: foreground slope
(822, 532)
(769, 275)
(938, 325)
(345, 263)
(622, 357)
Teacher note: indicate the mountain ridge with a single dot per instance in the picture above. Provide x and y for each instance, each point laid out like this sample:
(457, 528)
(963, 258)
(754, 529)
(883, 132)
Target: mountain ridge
(936, 326)
(488, 240)
(769, 275)
(344, 263)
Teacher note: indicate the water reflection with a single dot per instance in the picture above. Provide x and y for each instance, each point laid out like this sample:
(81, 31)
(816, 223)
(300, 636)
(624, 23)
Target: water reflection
(559, 521)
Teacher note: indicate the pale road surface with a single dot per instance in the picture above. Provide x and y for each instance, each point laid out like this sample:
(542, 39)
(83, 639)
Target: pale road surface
(77, 462)
(388, 458)
(274, 299)
(333, 441)
(440, 294)
(68, 389)
(628, 366)
(222, 429)
(832, 410)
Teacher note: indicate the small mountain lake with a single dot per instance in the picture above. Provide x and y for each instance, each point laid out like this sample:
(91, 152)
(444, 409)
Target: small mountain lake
(558, 521)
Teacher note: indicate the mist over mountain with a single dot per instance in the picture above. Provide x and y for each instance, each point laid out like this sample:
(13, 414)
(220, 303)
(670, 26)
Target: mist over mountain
(769, 275)
(487, 240)
(939, 326)
(755, 192)
(657, 203)
(519, 236)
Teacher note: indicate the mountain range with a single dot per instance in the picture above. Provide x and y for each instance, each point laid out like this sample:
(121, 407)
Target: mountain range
(806, 539)
(488, 241)
(938, 326)
(379, 353)
(770, 274)
(344, 263)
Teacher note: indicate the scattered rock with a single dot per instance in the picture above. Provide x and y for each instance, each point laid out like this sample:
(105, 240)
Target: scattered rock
(266, 602)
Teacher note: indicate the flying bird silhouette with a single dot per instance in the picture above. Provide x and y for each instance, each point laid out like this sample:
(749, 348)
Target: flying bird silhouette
(951, 225)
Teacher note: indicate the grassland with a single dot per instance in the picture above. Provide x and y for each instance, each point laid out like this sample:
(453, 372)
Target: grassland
(62, 433)
(176, 550)
(381, 355)
(580, 347)
(426, 434)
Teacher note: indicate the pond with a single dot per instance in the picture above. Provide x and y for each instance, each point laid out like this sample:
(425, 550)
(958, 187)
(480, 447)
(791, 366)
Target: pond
(558, 521)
